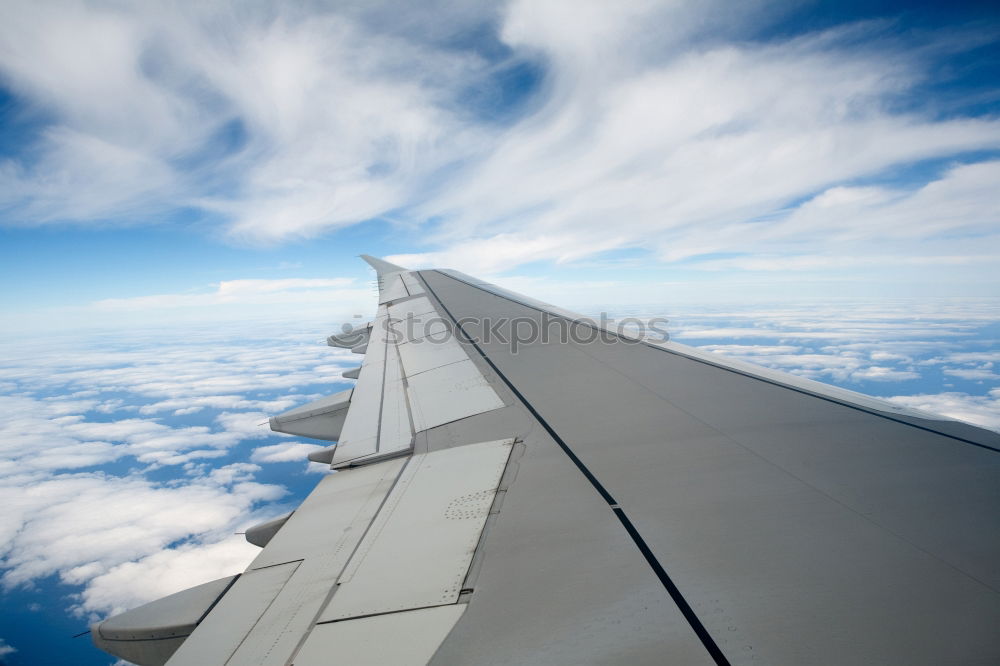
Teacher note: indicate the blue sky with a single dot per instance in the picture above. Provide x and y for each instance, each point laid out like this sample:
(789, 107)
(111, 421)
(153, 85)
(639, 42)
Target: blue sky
(184, 188)
(164, 149)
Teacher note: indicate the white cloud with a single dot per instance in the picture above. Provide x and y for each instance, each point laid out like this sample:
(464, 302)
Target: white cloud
(500, 252)
(164, 572)
(249, 425)
(828, 262)
(847, 344)
(692, 149)
(985, 357)
(79, 524)
(958, 203)
(37, 435)
(671, 127)
(877, 373)
(837, 365)
(5, 648)
(111, 527)
(180, 370)
(289, 452)
(195, 404)
(243, 292)
(972, 373)
(312, 118)
(888, 356)
(982, 410)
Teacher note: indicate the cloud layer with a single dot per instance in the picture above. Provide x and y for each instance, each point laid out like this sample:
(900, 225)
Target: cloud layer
(906, 353)
(129, 460)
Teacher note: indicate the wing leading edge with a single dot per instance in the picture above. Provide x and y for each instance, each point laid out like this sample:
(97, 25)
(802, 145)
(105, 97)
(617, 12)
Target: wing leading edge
(598, 499)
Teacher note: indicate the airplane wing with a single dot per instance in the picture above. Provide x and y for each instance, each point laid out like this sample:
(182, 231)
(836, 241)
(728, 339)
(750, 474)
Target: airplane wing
(581, 496)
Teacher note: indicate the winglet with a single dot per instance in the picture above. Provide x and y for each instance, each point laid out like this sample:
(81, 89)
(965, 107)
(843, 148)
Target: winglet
(381, 266)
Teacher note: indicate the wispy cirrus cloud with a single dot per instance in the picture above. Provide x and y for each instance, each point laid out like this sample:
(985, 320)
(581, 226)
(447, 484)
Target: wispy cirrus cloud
(281, 121)
(496, 135)
(244, 292)
(694, 145)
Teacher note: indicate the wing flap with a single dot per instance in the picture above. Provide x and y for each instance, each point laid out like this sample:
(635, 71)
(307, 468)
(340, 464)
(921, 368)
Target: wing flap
(359, 435)
(395, 432)
(320, 536)
(417, 307)
(450, 393)
(412, 284)
(422, 355)
(391, 288)
(379, 640)
(417, 552)
(222, 631)
(317, 527)
(263, 617)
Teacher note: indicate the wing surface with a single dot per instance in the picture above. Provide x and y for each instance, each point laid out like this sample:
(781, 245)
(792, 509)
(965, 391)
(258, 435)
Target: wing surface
(586, 497)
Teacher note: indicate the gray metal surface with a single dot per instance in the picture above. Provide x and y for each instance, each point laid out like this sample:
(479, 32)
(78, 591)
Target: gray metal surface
(321, 527)
(560, 582)
(260, 534)
(799, 529)
(225, 628)
(321, 535)
(150, 634)
(320, 419)
(408, 638)
(174, 615)
(417, 551)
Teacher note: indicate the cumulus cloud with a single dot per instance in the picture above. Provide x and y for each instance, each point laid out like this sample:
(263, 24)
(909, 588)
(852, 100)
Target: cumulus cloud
(290, 452)
(79, 525)
(133, 583)
(84, 481)
(37, 437)
(979, 409)
(879, 373)
(972, 373)
(194, 404)
(5, 648)
(228, 368)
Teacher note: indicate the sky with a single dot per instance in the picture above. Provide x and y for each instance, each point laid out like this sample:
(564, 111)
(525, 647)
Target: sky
(185, 186)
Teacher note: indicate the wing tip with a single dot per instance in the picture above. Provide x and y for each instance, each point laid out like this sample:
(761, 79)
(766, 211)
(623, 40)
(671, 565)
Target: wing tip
(381, 266)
